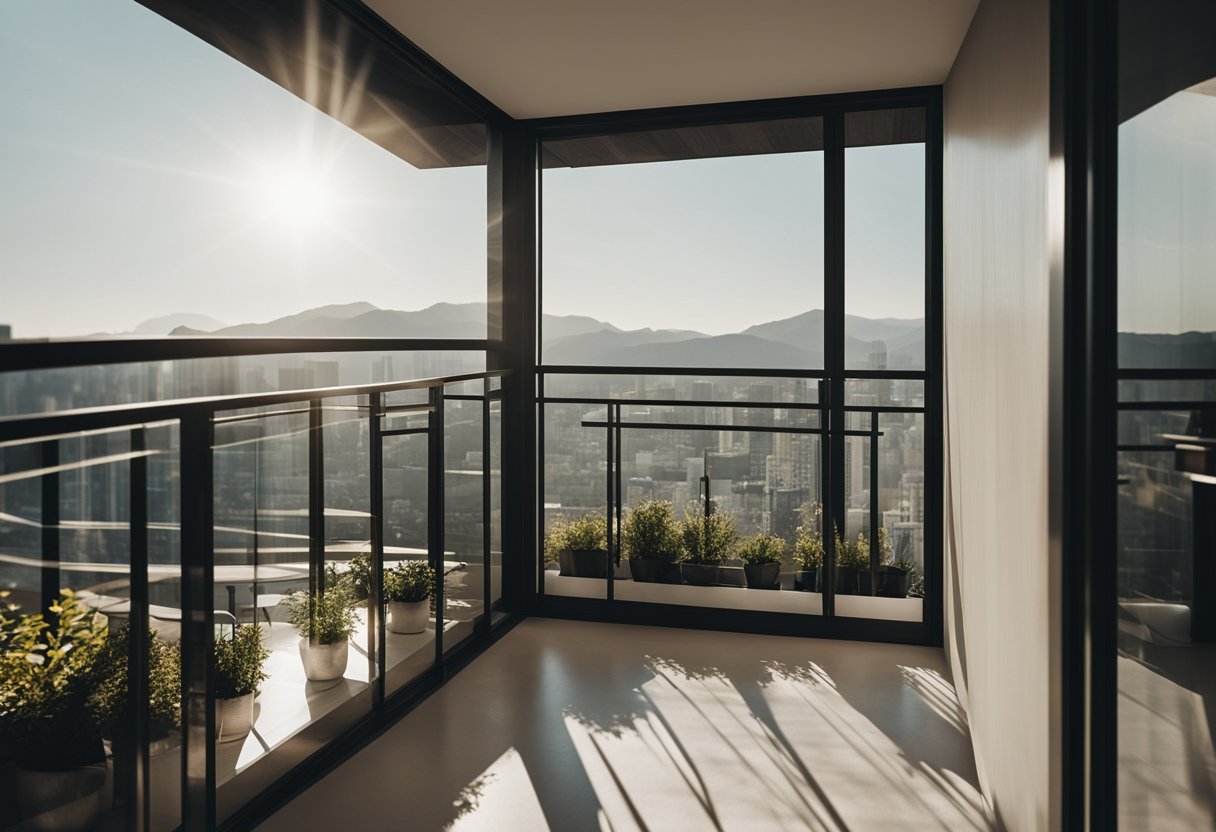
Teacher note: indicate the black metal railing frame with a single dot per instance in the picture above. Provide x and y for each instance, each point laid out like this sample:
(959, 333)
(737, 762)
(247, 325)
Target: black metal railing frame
(197, 419)
(614, 424)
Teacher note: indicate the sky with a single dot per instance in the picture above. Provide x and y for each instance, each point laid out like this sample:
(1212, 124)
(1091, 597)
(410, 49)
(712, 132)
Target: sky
(143, 172)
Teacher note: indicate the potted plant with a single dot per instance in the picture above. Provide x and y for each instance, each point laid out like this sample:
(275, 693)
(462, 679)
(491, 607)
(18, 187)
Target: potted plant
(708, 540)
(408, 589)
(238, 679)
(808, 557)
(848, 559)
(110, 703)
(650, 538)
(325, 621)
(581, 546)
(895, 579)
(761, 556)
(47, 721)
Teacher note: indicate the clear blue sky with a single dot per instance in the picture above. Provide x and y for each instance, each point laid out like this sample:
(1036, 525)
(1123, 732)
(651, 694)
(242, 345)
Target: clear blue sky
(142, 172)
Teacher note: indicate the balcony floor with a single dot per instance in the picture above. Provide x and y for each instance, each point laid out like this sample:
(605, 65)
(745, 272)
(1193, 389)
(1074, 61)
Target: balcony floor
(577, 726)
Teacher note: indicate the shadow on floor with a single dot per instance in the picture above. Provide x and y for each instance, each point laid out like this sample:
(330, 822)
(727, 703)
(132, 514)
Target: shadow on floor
(577, 726)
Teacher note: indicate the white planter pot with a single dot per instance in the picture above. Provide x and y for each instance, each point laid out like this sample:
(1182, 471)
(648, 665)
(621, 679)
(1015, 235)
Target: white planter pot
(234, 718)
(61, 801)
(324, 662)
(408, 616)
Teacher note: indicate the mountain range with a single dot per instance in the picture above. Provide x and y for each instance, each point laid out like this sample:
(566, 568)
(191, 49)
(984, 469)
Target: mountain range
(790, 343)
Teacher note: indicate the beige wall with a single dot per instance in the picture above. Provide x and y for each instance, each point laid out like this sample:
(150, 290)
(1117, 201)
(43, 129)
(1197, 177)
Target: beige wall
(999, 598)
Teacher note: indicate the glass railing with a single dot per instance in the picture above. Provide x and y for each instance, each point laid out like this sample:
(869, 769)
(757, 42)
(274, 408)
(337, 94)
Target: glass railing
(717, 491)
(203, 593)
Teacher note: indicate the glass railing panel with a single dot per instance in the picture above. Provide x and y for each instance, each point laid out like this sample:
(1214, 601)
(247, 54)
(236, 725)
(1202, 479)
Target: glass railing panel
(495, 512)
(881, 559)
(464, 555)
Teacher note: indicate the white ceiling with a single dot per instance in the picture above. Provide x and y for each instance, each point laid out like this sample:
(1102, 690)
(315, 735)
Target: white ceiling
(561, 57)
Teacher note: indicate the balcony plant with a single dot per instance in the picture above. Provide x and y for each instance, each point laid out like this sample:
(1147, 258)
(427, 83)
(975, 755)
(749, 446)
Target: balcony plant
(708, 540)
(239, 673)
(761, 556)
(109, 699)
(47, 720)
(895, 580)
(808, 557)
(581, 546)
(851, 555)
(325, 621)
(650, 538)
(408, 589)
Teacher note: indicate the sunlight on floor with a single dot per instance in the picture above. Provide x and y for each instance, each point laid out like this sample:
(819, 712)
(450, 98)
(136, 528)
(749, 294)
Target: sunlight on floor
(701, 755)
(501, 799)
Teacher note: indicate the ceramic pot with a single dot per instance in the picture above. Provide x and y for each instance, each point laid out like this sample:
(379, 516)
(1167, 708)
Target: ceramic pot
(61, 801)
(699, 574)
(234, 718)
(324, 662)
(762, 575)
(407, 617)
(658, 570)
(893, 582)
(807, 580)
(583, 563)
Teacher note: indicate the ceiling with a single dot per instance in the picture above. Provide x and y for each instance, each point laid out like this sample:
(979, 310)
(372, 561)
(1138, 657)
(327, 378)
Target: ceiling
(536, 58)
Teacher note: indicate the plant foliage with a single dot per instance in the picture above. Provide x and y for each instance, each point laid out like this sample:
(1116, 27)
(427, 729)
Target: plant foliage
(808, 549)
(49, 674)
(586, 533)
(359, 576)
(707, 538)
(651, 532)
(323, 617)
(763, 548)
(164, 665)
(410, 580)
(238, 662)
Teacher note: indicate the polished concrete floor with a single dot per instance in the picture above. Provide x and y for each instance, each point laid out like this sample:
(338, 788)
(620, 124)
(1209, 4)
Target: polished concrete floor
(578, 726)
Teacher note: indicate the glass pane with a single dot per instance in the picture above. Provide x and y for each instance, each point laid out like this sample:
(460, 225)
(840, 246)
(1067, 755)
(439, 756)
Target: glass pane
(495, 469)
(882, 558)
(884, 240)
(691, 247)
(464, 526)
(1166, 509)
(246, 201)
(317, 669)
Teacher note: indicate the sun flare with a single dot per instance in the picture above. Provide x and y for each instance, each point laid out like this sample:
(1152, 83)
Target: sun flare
(293, 196)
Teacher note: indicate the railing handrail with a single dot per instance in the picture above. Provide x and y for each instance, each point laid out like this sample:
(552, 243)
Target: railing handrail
(25, 354)
(43, 425)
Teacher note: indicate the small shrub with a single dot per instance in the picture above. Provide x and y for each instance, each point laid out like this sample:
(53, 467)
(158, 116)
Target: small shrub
(238, 662)
(410, 580)
(327, 617)
(763, 548)
(586, 533)
(49, 675)
(359, 576)
(854, 553)
(650, 531)
(164, 664)
(808, 550)
(707, 539)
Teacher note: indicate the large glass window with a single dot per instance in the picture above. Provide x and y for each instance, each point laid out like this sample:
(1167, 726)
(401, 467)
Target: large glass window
(152, 182)
(685, 253)
(1166, 521)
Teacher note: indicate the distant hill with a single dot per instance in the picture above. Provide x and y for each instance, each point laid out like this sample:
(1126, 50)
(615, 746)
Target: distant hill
(1183, 351)
(790, 343)
(165, 324)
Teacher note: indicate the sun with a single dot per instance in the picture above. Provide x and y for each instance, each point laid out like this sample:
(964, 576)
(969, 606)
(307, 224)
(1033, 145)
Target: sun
(292, 195)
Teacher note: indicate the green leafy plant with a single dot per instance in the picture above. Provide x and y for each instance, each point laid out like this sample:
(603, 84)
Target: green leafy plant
(410, 580)
(916, 581)
(359, 576)
(323, 617)
(586, 533)
(707, 538)
(853, 553)
(164, 665)
(49, 674)
(884, 546)
(763, 548)
(238, 662)
(650, 531)
(808, 549)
